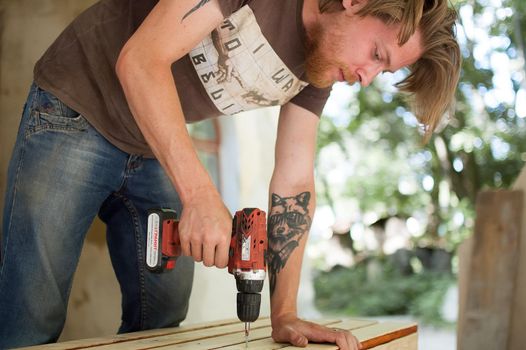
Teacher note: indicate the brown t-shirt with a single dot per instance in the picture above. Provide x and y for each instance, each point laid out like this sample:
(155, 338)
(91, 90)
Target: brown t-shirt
(254, 58)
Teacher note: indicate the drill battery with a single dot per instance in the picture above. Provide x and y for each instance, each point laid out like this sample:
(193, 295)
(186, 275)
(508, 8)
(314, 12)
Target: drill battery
(162, 245)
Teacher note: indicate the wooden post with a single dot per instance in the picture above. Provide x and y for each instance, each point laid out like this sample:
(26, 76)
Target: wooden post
(518, 320)
(487, 314)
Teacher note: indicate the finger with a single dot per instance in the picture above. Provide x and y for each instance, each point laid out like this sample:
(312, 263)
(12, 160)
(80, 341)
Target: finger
(289, 335)
(353, 341)
(298, 339)
(185, 248)
(197, 250)
(320, 334)
(208, 254)
(350, 340)
(343, 342)
(221, 255)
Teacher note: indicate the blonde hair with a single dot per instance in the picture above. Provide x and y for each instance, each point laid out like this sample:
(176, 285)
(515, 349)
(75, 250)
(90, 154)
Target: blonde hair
(433, 79)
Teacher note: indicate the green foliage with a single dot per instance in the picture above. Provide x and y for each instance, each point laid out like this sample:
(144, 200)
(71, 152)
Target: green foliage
(351, 292)
(428, 303)
(390, 173)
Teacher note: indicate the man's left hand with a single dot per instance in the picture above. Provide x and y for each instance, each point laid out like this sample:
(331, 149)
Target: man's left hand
(290, 329)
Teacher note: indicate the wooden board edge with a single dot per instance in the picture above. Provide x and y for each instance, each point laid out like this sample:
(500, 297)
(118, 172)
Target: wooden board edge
(388, 337)
(409, 342)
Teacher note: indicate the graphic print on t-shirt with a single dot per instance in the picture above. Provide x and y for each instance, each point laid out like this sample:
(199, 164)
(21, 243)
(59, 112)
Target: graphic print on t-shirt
(240, 70)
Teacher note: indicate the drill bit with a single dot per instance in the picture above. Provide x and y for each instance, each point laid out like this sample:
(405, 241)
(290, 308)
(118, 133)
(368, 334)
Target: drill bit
(247, 330)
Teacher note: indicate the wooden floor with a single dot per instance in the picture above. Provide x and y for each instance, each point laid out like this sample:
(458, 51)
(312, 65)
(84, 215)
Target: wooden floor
(229, 335)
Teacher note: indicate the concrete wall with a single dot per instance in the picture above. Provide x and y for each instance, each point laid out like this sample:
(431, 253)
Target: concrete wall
(27, 27)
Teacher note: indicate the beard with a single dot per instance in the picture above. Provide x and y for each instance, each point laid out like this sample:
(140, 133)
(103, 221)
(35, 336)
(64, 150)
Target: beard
(319, 66)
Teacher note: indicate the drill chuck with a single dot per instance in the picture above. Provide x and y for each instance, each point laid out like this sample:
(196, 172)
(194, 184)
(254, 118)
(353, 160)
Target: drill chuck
(249, 286)
(248, 305)
(249, 281)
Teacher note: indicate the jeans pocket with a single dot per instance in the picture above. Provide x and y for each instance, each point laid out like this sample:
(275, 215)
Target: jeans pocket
(50, 113)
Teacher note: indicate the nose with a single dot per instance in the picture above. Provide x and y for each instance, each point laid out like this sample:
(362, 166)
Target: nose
(368, 74)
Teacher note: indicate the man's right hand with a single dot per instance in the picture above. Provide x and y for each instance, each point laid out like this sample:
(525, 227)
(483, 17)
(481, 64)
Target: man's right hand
(205, 229)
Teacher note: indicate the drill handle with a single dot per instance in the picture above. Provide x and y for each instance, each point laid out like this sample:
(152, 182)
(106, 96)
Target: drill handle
(248, 245)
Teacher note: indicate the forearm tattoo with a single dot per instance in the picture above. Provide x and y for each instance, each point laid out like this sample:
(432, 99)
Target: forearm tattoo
(288, 221)
(195, 8)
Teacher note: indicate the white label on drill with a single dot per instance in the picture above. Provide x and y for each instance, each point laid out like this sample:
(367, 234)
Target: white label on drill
(152, 244)
(245, 249)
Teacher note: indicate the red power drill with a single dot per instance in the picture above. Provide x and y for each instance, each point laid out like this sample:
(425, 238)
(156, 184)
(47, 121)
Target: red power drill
(247, 255)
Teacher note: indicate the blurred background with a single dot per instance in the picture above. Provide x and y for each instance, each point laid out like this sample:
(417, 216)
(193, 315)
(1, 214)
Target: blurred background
(391, 211)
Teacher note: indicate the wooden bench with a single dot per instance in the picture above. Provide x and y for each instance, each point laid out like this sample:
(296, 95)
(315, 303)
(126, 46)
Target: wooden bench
(229, 335)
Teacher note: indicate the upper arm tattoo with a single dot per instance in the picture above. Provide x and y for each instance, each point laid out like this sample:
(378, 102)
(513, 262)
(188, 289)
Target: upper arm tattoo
(288, 222)
(200, 4)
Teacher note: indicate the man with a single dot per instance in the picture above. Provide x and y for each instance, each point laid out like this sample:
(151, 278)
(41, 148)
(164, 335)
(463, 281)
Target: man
(103, 132)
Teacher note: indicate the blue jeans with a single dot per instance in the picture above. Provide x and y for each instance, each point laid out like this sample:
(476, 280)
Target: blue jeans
(62, 173)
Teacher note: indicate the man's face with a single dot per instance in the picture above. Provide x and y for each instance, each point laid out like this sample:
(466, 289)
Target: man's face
(346, 47)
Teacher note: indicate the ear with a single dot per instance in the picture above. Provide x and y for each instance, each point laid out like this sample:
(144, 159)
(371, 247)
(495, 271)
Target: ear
(303, 199)
(276, 200)
(352, 6)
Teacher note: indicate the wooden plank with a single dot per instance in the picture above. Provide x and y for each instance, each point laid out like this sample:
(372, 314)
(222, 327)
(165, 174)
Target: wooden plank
(353, 324)
(216, 326)
(181, 340)
(269, 344)
(517, 337)
(493, 270)
(237, 339)
(229, 336)
(373, 336)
